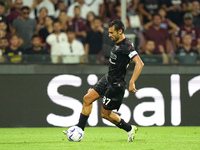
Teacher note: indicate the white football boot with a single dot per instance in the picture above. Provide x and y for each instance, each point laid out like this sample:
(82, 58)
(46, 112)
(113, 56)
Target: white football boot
(131, 134)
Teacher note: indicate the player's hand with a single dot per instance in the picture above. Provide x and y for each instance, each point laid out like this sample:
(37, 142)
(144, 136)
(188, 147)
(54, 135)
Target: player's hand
(132, 87)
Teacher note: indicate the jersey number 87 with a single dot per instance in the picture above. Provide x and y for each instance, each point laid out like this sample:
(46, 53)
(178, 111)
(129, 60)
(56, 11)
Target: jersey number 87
(106, 100)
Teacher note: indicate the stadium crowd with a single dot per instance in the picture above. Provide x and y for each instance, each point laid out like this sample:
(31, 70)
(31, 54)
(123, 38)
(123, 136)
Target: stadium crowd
(74, 31)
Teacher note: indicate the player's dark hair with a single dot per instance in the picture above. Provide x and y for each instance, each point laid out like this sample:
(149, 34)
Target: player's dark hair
(35, 36)
(2, 4)
(25, 8)
(118, 24)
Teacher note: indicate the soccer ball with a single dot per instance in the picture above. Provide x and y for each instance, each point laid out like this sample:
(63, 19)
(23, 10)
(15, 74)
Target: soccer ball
(75, 134)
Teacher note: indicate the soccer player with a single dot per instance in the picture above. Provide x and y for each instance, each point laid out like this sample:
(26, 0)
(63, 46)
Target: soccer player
(112, 85)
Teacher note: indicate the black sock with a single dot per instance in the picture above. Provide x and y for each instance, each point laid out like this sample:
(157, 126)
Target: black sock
(123, 125)
(82, 121)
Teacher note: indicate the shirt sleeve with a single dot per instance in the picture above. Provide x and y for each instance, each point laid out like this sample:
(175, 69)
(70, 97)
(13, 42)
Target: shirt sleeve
(178, 33)
(87, 40)
(34, 26)
(14, 25)
(70, 12)
(81, 48)
(129, 50)
(49, 39)
(198, 33)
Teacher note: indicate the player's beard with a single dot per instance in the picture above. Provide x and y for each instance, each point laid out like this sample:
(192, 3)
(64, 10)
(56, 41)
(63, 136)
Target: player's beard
(115, 38)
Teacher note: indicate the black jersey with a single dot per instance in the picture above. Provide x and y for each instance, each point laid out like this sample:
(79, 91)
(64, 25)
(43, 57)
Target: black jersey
(120, 56)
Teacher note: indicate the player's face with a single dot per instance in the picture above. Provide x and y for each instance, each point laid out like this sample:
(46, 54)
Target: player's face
(113, 34)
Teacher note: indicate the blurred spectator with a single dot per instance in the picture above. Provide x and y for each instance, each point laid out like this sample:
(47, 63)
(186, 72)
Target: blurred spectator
(94, 40)
(174, 11)
(186, 54)
(148, 56)
(60, 8)
(89, 20)
(117, 15)
(63, 19)
(165, 24)
(25, 27)
(75, 48)
(40, 20)
(186, 5)
(3, 32)
(14, 51)
(95, 6)
(28, 3)
(107, 45)
(188, 28)
(38, 4)
(16, 12)
(2, 16)
(84, 9)
(48, 29)
(195, 14)
(3, 45)
(132, 6)
(36, 46)
(7, 5)
(58, 41)
(157, 34)
(107, 8)
(148, 7)
(79, 24)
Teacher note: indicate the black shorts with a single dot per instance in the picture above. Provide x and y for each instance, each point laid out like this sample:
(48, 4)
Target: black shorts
(112, 94)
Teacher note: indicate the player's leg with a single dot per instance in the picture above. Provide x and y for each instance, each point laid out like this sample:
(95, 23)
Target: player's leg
(120, 123)
(115, 119)
(99, 89)
(90, 97)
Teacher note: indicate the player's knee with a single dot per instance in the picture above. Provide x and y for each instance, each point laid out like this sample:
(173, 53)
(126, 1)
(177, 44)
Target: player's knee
(86, 100)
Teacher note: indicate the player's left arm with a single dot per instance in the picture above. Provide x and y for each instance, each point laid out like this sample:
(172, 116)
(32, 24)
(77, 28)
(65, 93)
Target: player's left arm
(137, 70)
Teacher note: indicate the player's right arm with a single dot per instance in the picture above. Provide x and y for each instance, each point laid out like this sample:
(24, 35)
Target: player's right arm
(137, 70)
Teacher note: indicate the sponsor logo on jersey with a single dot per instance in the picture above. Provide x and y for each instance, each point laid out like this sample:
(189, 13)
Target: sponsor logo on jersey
(113, 56)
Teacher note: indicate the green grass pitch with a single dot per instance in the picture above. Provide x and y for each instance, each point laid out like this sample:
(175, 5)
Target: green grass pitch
(101, 138)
